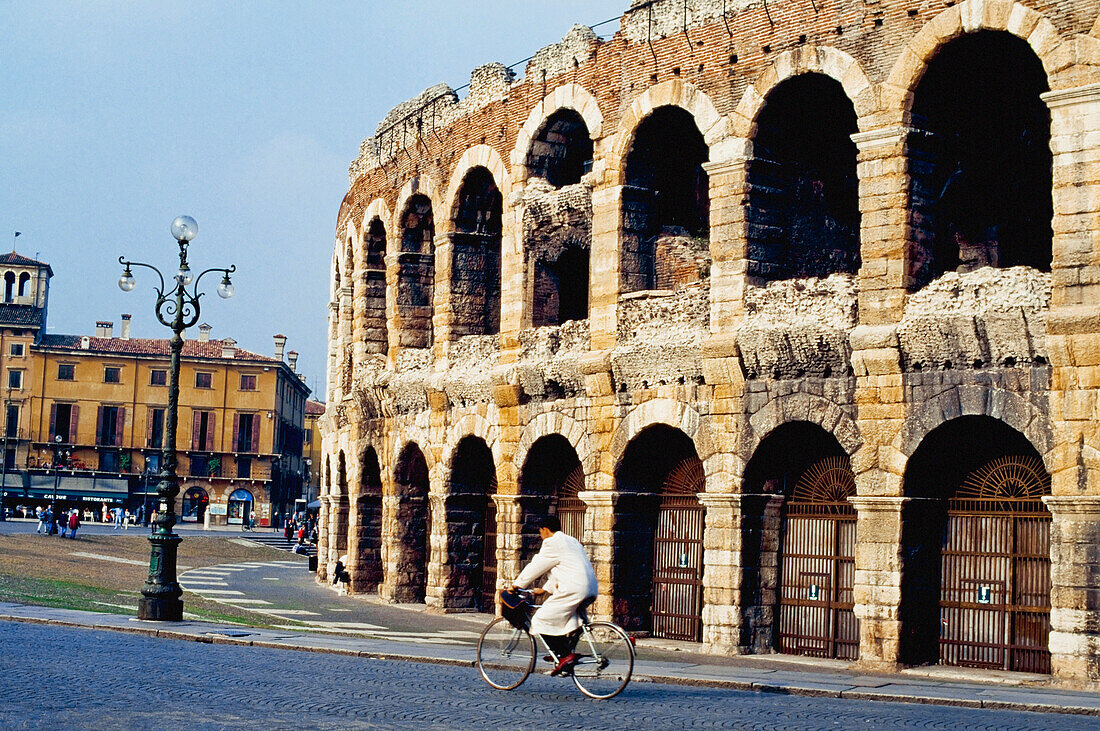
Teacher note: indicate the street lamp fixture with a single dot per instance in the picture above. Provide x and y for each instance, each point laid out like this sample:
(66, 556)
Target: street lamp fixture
(176, 308)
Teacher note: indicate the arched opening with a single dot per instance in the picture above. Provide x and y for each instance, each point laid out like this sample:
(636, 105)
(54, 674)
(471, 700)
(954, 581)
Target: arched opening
(550, 481)
(9, 286)
(798, 587)
(977, 575)
(561, 151)
(24, 280)
(666, 202)
(367, 574)
(475, 267)
(195, 504)
(657, 541)
(240, 507)
(375, 336)
(981, 176)
(338, 542)
(561, 284)
(416, 272)
(412, 526)
(471, 569)
(803, 202)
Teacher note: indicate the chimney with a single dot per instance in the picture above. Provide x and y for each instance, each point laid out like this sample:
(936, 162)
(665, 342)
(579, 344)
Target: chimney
(280, 343)
(125, 334)
(292, 360)
(85, 343)
(229, 348)
(204, 333)
(104, 329)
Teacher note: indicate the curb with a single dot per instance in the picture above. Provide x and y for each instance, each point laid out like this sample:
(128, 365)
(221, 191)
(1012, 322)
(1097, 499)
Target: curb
(743, 685)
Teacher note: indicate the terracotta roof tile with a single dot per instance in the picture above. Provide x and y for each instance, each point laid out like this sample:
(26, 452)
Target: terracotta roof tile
(15, 259)
(149, 346)
(314, 407)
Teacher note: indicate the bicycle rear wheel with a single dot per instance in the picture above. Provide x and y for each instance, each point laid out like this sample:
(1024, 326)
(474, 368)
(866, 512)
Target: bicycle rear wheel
(606, 661)
(505, 655)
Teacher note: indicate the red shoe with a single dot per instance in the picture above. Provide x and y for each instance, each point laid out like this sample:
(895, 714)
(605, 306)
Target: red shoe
(566, 662)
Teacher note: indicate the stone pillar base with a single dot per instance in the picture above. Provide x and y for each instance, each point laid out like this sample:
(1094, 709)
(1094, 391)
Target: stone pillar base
(1075, 588)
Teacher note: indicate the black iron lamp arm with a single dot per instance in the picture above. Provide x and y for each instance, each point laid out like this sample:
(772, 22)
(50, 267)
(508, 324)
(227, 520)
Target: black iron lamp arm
(127, 263)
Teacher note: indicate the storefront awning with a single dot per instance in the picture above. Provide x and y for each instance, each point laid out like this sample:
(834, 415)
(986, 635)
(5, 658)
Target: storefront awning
(70, 487)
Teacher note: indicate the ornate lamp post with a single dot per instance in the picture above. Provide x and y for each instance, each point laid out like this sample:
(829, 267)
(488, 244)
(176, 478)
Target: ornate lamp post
(176, 308)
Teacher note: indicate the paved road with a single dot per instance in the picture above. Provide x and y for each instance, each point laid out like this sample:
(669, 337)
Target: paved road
(95, 679)
(185, 529)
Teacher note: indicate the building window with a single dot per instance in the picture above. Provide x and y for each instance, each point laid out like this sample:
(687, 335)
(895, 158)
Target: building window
(15, 379)
(155, 429)
(202, 431)
(63, 419)
(108, 461)
(66, 371)
(200, 466)
(9, 458)
(158, 377)
(112, 374)
(109, 430)
(17, 350)
(12, 424)
(308, 436)
(244, 468)
(248, 382)
(247, 434)
(204, 380)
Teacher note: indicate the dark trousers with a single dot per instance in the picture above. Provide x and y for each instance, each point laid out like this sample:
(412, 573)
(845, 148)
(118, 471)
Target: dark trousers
(562, 645)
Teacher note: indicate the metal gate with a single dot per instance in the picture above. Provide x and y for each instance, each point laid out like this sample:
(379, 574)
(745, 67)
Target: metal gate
(677, 608)
(570, 507)
(489, 557)
(995, 569)
(817, 564)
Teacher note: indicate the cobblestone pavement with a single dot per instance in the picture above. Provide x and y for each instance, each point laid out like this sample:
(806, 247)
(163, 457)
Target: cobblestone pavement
(95, 679)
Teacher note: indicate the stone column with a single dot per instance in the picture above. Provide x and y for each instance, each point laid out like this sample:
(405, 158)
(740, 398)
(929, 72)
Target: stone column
(393, 314)
(1075, 587)
(603, 285)
(733, 544)
(599, 523)
(324, 520)
(509, 526)
(880, 565)
(442, 302)
(391, 552)
(440, 561)
(889, 246)
(514, 316)
(727, 242)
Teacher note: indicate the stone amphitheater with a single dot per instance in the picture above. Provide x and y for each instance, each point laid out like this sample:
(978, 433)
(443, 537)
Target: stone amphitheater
(791, 311)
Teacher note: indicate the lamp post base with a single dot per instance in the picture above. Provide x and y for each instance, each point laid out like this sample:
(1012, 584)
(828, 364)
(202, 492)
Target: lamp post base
(157, 609)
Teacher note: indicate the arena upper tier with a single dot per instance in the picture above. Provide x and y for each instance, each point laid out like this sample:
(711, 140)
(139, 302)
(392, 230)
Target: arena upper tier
(790, 311)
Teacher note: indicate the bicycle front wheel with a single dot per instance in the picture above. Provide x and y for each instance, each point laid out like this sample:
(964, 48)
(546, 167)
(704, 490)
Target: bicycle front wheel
(505, 655)
(606, 661)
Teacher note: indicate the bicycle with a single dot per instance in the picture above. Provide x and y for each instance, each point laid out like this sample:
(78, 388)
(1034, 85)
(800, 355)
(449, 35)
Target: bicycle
(506, 654)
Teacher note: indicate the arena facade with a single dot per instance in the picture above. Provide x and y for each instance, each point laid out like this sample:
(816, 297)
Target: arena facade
(789, 310)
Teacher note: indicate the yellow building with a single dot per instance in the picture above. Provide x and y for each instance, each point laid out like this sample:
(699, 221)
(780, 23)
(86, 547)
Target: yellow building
(312, 450)
(85, 417)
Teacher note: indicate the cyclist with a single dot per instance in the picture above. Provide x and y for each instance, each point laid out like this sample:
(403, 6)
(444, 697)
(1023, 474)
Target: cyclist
(571, 583)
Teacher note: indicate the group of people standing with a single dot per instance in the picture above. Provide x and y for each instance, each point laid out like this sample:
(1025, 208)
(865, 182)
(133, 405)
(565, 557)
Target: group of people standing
(301, 527)
(51, 524)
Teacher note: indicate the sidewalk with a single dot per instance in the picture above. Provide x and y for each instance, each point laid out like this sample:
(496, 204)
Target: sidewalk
(772, 674)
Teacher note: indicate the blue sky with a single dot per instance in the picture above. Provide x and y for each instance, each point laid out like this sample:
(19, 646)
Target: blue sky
(115, 117)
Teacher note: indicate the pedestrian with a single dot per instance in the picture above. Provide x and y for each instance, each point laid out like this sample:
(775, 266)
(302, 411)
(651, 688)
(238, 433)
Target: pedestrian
(41, 515)
(103, 514)
(141, 514)
(74, 523)
(252, 520)
(288, 526)
(51, 526)
(118, 518)
(126, 520)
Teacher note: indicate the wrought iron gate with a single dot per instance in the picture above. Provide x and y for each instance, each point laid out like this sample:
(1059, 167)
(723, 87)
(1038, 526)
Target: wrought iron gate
(677, 607)
(995, 569)
(817, 564)
(570, 507)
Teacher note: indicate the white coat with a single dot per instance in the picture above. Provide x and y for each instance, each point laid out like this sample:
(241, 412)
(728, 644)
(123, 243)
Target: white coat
(571, 581)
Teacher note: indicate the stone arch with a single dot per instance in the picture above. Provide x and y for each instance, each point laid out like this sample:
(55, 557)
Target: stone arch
(671, 413)
(566, 96)
(552, 422)
(1006, 406)
(808, 408)
(476, 156)
(677, 93)
(831, 62)
(378, 209)
(966, 17)
(416, 185)
(471, 425)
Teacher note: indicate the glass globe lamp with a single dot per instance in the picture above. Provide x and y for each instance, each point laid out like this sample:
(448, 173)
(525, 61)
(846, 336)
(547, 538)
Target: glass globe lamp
(225, 288)
(184, 228)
